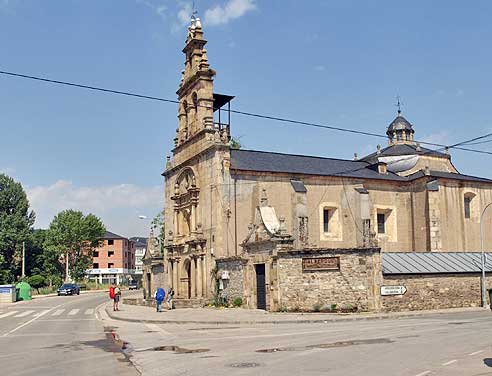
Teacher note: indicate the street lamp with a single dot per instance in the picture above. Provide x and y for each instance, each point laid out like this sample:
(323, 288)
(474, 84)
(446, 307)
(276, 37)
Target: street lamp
(484, 297)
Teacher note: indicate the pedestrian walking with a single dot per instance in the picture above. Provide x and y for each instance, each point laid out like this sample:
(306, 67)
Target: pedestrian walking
(117, 297)
(169, 300)
(159, 298)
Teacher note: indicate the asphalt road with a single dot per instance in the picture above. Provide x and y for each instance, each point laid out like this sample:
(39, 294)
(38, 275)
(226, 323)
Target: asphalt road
(446, 344)
(59, 336)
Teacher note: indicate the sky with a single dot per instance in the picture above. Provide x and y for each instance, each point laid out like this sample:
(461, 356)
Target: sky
(339, 63)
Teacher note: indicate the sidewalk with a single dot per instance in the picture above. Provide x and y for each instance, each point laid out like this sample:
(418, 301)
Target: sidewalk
(215, 316)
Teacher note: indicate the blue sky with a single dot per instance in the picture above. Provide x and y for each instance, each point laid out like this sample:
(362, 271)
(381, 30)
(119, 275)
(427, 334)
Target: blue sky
(340, 63)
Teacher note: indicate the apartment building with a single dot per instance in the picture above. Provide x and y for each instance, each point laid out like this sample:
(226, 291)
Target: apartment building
(114, 260)
(140, 247)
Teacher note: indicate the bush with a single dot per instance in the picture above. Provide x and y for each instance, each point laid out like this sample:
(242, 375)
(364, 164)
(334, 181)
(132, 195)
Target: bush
(317, 307)
(237, 302)
(36, 281)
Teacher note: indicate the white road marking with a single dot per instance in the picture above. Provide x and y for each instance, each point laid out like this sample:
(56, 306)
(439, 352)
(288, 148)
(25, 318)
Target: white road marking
(42, 313)
(28, 322)
(476, 352)
(89, 311)
(58, 312)
(450, 362)
(424, 373)
(8, 314)
(25, 313)
(73, 312)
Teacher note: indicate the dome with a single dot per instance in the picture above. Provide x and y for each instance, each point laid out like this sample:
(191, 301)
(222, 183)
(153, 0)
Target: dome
(399, 124)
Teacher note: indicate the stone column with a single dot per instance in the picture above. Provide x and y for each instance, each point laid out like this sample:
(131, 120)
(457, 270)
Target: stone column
(193, 218)
(199, 279)
(176, 226)
(177, 265)
(170, 273)
(192, 280)
(175, 276)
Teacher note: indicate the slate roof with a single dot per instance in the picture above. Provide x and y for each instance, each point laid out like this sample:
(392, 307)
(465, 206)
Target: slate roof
(110, 235)
(434, 262)
(403, 149)
(250, 160)
(139, 241)
(399, 123)
(261, 161)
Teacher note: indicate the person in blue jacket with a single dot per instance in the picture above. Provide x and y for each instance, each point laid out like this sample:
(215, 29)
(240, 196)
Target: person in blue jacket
(159, 296)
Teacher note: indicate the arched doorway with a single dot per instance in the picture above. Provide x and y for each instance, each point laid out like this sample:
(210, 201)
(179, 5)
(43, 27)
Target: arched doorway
(187, 280)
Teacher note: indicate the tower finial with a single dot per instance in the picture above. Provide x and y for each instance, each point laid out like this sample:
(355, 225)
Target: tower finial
(194, 11)
(398, 104)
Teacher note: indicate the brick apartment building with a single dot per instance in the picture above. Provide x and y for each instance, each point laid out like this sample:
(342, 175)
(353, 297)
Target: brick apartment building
(114, 260)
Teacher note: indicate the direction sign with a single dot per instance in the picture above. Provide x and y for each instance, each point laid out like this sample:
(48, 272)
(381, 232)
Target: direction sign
(393, 290)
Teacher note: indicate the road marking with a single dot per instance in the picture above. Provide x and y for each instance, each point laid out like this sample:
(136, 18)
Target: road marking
(73, 312)
(89, 311)
(30, 321)
(42, 313)
(424, 373)
(58, 312)
(25, 313)
(476, 352)
(450, 362)
(8, 314)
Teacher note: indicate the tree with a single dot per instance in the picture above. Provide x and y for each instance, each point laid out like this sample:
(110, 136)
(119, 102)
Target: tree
(235, 143)
(74, 236)
(16, 221)
(36, 281)
(158, 227)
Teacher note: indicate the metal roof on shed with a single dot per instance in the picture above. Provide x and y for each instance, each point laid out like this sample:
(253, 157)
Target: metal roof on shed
(434, 262)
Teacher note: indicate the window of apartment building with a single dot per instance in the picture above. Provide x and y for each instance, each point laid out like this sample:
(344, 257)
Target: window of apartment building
(95, 254)
(110, 253)
(381, 223)
(110, 265)
(110, 242)
(95, 265)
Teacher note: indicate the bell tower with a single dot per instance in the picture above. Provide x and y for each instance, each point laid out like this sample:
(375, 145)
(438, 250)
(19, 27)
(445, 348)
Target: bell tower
(195, 93)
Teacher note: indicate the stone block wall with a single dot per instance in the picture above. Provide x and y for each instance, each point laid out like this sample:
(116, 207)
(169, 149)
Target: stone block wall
(234, 286)
(434, 291)
(353, 284)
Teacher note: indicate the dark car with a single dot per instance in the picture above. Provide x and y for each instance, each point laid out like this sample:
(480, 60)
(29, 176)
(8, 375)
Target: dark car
(133, 285)
(69, 289)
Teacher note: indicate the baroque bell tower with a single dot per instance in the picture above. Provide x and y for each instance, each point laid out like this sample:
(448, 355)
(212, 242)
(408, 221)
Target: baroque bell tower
(195, 91)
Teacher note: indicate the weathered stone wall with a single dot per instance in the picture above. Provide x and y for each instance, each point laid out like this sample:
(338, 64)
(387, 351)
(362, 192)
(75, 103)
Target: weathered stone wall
(234, 286)
(354, 284)
(434, 291)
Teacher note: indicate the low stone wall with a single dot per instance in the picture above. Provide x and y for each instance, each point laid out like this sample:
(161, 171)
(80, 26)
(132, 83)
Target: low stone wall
(354, 284)
(232, 287)
(434, 291)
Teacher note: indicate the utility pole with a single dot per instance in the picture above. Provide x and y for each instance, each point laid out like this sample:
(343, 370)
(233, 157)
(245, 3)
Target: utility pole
(23, 259)
(482, 284)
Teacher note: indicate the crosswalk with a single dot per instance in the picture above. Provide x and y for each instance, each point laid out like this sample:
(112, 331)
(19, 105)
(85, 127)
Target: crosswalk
(46, 313)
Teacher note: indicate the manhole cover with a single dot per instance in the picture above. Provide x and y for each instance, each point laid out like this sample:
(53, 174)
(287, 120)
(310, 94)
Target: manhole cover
(244, 365)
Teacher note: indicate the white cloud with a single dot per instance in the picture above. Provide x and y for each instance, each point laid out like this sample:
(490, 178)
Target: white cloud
(117, 205)
(231, 10)
(184, 14)
(441, 138)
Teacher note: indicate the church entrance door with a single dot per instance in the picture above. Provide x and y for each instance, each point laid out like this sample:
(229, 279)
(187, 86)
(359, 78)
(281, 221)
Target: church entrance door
(260, 286)
(188, 274)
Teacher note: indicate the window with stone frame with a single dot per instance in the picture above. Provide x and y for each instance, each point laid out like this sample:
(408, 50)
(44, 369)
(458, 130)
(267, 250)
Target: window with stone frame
(467, 205)
(329, 220)
(381, 218)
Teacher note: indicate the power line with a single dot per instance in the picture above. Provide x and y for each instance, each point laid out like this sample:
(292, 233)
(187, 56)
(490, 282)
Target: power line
(244, 113)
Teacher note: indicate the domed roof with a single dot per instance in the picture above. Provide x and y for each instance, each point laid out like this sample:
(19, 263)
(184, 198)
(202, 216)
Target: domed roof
(399, 124)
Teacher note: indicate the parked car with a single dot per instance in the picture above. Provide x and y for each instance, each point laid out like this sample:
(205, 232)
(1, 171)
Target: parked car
(69, 289)
(133, 285)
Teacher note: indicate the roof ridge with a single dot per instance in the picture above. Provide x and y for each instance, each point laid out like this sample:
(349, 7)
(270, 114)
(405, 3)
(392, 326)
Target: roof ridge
(299, 155)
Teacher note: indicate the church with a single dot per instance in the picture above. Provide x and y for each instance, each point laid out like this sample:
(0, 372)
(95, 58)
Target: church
(398, 229)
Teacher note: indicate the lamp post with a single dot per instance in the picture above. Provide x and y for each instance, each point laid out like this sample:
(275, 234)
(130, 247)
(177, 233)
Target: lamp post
(484, 297)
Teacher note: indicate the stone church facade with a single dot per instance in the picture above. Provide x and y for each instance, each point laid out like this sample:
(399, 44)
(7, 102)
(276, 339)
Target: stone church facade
(284, 231)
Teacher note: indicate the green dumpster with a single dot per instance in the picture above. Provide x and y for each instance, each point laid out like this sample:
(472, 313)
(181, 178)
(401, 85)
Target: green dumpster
(23, 291)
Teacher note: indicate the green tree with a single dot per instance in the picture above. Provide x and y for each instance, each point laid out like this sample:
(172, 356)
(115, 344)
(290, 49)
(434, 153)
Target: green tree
(235, 143)
(74, 236)
(159, 228)
(16, 221)
(36, 281)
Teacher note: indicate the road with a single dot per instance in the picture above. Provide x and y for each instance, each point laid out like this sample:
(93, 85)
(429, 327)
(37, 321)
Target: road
(59, 336)
(446, 344)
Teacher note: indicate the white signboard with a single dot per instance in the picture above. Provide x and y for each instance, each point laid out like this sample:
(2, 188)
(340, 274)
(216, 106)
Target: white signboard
(393, 290)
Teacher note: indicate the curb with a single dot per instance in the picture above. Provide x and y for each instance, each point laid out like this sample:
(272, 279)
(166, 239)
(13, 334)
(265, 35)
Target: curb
(34, 297)
(276, 322)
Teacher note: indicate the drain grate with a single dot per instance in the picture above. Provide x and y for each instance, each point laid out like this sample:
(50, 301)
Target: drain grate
(244, 365)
